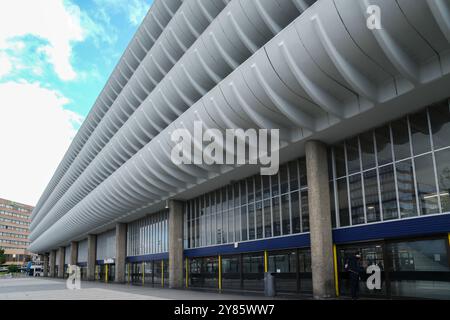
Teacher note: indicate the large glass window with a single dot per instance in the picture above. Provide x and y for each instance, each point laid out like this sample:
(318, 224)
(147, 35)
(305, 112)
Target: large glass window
(204, 272)
(367, 150)
(295, 204)
(419, 269)
(353, 161)
(384, 146)
(276, 216)
(440, 124)
(420, 132)
(357, 201)
(148, 235)
(231, 272)
(343, 202)
(443, 175)
(388, 193)
(426, 185)
(406, 190)
(253, 271)
(409, 176)
(400, 134)
(254, 208)
(339, 156)
(372, 197)
(285, 213)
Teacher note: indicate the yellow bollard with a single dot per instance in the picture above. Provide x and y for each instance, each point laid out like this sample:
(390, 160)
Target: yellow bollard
(220, 273)
(336, 273)
(266, 261)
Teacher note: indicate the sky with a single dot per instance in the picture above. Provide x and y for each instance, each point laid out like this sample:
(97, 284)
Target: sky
(55, 58)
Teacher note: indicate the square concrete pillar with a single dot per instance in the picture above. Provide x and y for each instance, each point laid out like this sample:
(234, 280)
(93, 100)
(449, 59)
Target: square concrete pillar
(176, 276)
(320, 220)
(73, 253)
(53, 264)
(121, 252)
(92, 256)
(61, 262)
(45, 266)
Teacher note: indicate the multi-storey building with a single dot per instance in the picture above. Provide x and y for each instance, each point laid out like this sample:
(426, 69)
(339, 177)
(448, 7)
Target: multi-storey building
(14, 231)
(364, 118)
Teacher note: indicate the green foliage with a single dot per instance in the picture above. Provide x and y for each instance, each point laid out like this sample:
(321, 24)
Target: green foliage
(13, 269)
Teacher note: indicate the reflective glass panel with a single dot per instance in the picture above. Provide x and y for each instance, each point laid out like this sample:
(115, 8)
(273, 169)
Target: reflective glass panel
(406, 190)
(443, 175)
(440, 124)
(372, 197)
(426, 185)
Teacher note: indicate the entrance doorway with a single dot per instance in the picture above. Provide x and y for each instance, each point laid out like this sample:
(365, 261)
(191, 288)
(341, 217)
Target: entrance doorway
(411, 268)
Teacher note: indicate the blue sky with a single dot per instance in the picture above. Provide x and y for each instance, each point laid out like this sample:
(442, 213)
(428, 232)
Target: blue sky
(55, 58)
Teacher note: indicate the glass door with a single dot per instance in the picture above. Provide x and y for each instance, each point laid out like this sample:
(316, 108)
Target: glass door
(136, 273)
(371, 254)
(419, 269)
(284, 265)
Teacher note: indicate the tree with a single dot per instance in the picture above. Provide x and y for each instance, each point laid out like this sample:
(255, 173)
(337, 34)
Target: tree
(2, 257)
(13, 269)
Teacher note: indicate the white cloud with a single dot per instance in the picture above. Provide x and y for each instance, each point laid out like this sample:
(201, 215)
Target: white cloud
(134, 9)
(57, 22)
(35, 133)
(5, 65)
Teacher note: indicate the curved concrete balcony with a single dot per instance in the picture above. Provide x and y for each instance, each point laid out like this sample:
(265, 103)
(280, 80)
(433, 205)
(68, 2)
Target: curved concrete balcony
(200, 69)
(153, 25)
(325, 76)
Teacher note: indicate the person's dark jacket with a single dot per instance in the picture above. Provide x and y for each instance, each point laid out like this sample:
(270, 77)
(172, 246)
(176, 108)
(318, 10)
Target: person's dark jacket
(353, 268)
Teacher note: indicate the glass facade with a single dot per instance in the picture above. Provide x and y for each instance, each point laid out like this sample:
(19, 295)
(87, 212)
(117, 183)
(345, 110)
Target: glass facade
(245, 271)
(106, 245)
(148, 273)
(258, 207)
(204, 272)
(105, 272)
(148, 235)
(414, 268)
(397, 171)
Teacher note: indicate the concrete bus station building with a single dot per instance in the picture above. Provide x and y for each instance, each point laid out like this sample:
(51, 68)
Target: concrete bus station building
(364, 120)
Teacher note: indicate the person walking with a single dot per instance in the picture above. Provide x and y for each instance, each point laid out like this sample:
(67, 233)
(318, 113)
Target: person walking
(353, 267)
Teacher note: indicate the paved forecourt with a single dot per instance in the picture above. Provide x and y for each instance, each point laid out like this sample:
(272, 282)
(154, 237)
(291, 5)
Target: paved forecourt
(55, 289)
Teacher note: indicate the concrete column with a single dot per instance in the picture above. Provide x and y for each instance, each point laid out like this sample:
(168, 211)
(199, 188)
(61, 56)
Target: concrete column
(175, 244)
(52, 264)
(61, 262)
(46, 269)
(73, 253)
(121, 252)
(320, 220)
(92, 256)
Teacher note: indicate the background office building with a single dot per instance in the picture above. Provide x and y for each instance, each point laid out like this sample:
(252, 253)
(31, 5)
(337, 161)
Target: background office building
(14, 231)
(364, 119)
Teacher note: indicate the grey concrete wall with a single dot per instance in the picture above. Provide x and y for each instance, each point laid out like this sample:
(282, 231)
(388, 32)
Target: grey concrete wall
(320, 220)
(92, 256)
(52, 263)
(121, 251)
(46, 265)
(73, 253)
(61, 262)
(175, 244)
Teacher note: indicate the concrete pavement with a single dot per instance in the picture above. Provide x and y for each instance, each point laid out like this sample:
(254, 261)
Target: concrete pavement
(55, 289)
